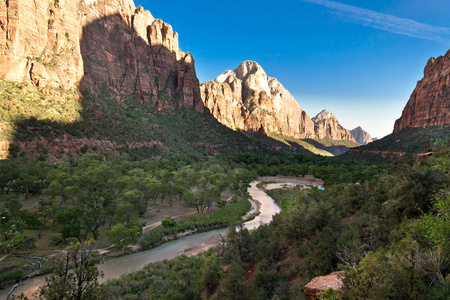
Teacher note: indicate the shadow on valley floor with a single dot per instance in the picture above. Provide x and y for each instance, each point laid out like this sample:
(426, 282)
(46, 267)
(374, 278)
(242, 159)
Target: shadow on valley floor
(135, 101)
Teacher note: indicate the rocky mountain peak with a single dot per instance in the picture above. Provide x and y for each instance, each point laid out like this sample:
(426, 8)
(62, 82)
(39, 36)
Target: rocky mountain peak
(361, 136)
(248, 68)
(224, 76)
(326, 125)
(247, 99)
(324, 114)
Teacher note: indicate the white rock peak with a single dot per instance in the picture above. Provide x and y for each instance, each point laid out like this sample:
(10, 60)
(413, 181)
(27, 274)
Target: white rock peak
(324, 114)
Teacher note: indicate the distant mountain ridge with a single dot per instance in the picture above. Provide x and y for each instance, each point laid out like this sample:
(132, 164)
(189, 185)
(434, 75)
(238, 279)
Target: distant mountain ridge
(326, 125)
(247, 99)
(361, 136)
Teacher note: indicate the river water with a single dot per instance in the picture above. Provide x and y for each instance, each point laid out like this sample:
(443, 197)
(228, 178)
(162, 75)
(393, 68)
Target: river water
(189, 245)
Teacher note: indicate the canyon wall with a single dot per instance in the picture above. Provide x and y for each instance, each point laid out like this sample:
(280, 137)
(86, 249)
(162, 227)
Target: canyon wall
(429, 104)
(94, 44)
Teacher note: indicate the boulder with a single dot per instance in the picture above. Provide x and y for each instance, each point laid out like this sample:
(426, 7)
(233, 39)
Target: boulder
(321, 284)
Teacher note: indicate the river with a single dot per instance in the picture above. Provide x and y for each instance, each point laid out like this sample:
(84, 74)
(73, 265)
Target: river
(189, 245)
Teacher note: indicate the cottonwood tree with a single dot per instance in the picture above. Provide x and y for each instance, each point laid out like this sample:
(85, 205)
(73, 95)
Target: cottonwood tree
(75, 275)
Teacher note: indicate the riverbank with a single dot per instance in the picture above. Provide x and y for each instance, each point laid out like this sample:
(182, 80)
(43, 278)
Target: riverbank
(301, 180)
(189, 245)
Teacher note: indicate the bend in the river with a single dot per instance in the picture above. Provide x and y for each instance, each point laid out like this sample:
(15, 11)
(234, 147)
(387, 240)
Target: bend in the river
(189, 245)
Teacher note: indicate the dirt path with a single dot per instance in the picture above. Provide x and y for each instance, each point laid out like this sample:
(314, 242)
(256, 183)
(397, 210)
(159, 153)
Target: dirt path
(149, 227)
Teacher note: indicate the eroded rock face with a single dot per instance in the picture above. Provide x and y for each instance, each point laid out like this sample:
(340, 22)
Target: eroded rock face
(361, 136)
(320, 284)
(94, 44)
(429, 104)
(247, 99)
(326, 125)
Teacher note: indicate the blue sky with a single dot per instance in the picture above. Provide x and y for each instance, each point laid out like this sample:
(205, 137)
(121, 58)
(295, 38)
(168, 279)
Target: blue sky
(360, 59)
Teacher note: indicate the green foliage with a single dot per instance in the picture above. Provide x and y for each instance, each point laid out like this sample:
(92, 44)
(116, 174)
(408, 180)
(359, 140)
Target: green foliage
(330, 294)
(14, 240)
(82, 283)
(218, 219)
(210, 274)
(9, 276)
(232, 285)
(29, 114)
(23, 102)
(122, 235)
(435, 224)
(174, 279)
(415, 140)
(168, 222)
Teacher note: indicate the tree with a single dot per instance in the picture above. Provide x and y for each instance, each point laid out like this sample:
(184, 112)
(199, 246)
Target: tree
(436, 223)
(14, 240)
(75, 275)
(210, 274)
(123, 235)
(232, 283)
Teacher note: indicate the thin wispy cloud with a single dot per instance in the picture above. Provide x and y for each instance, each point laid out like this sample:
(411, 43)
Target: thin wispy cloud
(370, 18)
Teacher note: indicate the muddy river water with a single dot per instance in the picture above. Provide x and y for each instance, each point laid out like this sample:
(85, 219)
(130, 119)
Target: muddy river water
(189, 245)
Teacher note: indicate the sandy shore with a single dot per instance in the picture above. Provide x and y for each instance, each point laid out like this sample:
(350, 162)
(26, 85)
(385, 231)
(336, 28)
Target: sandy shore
(304, 180)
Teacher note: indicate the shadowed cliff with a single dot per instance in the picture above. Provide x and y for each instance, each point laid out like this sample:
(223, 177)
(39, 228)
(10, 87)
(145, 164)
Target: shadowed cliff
(138, 97)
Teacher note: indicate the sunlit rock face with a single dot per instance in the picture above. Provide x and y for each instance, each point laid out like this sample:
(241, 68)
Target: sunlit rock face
(361, 136)
(429, 104)
(247, 99)
(326, 125)
(95, 44)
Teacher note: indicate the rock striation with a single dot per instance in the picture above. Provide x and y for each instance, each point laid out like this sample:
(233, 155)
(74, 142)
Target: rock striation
(361, 136)
(429, 104)
(326, 125)
(96, 44)
(247, 99)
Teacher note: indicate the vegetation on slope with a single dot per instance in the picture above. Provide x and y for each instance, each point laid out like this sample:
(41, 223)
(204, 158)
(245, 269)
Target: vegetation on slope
(46, 115)
(415, 140)
(324, 147)
(45, 207)
(390, 229)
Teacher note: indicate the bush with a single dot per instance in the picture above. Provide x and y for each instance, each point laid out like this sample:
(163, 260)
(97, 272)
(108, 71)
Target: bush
(168, 222)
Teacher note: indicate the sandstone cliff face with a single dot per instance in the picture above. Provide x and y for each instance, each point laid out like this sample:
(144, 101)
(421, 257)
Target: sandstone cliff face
(326, 125)
(429, 104)
(92, 44)
(361, 136)
(247, 99)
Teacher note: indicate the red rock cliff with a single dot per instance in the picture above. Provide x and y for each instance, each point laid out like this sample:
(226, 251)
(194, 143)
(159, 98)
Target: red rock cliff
(247, 99)
(92, 44)
(429, 104)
